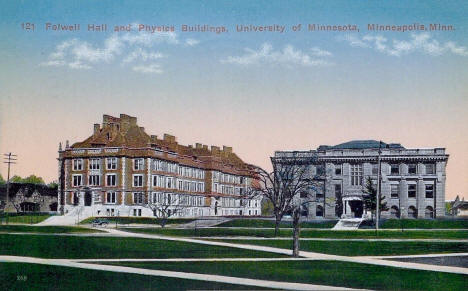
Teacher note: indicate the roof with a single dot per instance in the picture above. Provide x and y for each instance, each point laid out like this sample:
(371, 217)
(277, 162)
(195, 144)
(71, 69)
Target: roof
(361, 144)
(124, 132)
(28, 189)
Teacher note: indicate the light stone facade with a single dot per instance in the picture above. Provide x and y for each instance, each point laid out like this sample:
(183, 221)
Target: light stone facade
(412, 180)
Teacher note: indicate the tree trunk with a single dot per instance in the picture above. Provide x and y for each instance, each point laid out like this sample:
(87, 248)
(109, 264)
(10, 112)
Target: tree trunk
(277, 222)
(296, 231)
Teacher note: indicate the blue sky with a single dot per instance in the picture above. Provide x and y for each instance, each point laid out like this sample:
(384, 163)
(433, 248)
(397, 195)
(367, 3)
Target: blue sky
(257, 92)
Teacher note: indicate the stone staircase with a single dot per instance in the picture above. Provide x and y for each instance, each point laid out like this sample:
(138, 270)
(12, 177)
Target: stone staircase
(71, 218)
(348, 224)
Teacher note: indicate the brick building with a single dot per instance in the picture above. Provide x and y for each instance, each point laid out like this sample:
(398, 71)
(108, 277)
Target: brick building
(412, 182)
(121, 170)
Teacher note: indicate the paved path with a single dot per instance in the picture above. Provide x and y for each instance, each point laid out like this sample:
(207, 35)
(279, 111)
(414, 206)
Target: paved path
(331, 239)
(172, 274)
(319, 256)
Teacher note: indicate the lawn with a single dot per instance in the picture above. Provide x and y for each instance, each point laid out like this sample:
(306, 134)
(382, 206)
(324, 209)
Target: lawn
(28, 219)
(45, 229)
(18, 276)
(271, 223)
(364, 248)
(333, 273)
(426, 223)
(305, 233)
(138, 220)
(74, 247)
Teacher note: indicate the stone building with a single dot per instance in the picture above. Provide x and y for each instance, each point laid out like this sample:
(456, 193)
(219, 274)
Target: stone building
(120, 170)
(26, 197)
(412, 180)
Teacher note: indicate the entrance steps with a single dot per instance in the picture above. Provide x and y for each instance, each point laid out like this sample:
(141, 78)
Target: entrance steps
(71, 218)
(348, 224)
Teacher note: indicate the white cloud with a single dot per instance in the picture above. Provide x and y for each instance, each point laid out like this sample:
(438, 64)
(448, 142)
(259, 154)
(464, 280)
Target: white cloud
(422, 43)
(135, 46)
(191, 42)
(152, 68)
(288, 56)
(315, 51)
(143, 55)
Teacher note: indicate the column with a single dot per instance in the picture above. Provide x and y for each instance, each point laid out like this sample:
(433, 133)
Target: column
(403, 196)
(421, 198)
(123, 177)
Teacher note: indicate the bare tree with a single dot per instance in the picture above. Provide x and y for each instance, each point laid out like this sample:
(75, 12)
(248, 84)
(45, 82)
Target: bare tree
(290, 177)
(166, 205)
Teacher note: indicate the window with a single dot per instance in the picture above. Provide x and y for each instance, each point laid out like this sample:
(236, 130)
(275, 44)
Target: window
(303, 194)
(394, 190)
(356, 175)
(94, 164)
(138, 198)
(111, 163)
(412, 169)
(394, 169)
(136, 212)
(94, 180)
(412, 191)
(338, 170)
(111, 180)
(77, 180)
(110, 197)
(320, 170)
(429, 212)
(429, 191)
(412, 212)
(394, 212)
(430, 169)
(77, 164)
(138, 164)
(137, 180)
(170, 182)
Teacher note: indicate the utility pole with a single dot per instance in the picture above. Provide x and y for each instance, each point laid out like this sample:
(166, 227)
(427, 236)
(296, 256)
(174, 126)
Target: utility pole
(379, 176)
(9, 159)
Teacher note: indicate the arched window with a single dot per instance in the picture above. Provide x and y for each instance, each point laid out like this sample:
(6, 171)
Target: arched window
(319, 210)
(394, 212)
(429, 213)
(304, 210)
(412, 212)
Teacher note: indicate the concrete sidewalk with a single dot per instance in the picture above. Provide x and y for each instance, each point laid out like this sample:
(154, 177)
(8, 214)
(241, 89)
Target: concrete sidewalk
(172, 274)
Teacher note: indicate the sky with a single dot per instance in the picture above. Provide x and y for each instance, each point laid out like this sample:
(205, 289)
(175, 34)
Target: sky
(256, 91)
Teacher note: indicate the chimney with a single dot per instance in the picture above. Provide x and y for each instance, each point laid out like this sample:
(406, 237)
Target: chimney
(227, 149)
(97, 128)
(198, 145)
(214, 149)
(67, 145)
(60, 146)
(169, 138)
(205, 147)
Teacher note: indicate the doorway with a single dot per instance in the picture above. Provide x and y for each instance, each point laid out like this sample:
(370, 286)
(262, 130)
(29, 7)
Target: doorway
(88, 198)
(357, 208)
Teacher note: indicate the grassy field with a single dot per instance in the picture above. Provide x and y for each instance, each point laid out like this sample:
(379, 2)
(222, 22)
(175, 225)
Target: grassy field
(74, 247)
(45, 229)
(17, 276)
(364, 248)
(138, 220)
(332, 273)
(305, 233)
(27, 219)
(270, 223)
(426, 223)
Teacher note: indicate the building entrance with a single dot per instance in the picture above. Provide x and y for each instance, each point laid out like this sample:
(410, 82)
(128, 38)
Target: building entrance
(87, 198)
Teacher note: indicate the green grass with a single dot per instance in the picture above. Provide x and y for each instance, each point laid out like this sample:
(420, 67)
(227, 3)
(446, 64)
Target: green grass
(43, 277)
(74, 247)
(426, 223)
(332, 273)
(271, 223)
(45, 229)
(364, 248)
(28, 219)
(138, 220)
(306, 233)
